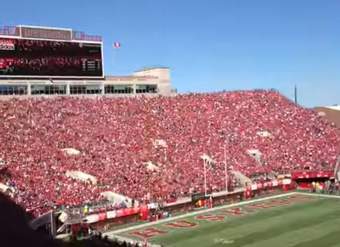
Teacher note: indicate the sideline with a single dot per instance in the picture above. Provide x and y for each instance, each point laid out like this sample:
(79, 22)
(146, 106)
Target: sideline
(318, 195)
(113, 233)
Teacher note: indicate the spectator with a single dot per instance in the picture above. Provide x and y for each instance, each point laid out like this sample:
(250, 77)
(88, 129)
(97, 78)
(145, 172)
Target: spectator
(116, 137)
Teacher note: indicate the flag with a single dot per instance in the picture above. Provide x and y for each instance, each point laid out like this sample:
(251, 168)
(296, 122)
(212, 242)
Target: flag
(116, 45)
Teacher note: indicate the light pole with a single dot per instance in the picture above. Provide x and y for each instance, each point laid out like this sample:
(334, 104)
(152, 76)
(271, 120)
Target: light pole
(205, 176)
(225, 169)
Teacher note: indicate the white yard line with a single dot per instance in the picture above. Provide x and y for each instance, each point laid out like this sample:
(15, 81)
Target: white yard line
(115, 232)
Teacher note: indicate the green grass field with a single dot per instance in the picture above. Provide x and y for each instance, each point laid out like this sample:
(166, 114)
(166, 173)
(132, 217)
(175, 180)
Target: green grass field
(294, 220)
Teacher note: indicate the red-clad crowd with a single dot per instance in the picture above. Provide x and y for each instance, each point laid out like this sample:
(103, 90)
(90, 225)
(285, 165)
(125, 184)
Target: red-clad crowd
(117, 137)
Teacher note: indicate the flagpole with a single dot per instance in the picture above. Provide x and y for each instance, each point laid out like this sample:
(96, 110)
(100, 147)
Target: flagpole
(114, 57)
(116, 45)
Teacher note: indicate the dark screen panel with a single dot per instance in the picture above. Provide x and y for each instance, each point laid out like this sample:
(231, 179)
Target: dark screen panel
(24, 57)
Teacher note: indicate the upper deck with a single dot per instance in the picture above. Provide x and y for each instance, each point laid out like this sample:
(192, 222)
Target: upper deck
(47, 33)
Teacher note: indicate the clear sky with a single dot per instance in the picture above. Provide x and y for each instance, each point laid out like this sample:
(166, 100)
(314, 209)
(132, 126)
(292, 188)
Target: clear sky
(210, 45)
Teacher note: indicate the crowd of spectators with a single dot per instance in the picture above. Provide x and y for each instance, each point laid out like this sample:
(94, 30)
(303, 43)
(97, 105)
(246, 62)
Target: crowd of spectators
(116, 138)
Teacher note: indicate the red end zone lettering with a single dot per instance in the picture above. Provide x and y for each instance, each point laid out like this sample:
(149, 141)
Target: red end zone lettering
(148, 233)
(210, 217)
(181, 224)
(233, 211)
(301, 199)
(276, 203)
(260, 205)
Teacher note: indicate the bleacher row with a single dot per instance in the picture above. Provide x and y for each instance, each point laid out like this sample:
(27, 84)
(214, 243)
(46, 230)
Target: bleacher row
(150, 148)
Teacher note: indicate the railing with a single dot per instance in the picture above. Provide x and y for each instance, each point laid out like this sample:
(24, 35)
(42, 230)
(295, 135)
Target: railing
(9, 31)
(76, 35)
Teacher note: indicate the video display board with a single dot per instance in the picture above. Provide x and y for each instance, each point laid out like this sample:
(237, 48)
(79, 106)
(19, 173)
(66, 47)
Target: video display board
(47, 58)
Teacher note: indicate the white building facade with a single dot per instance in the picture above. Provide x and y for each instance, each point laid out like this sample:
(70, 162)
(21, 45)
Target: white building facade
(146, 81)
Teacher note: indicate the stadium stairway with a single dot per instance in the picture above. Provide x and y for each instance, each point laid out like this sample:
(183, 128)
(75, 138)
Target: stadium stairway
(242, 178)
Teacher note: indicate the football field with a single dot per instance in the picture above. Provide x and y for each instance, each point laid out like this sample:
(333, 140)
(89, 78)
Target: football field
(293, 219)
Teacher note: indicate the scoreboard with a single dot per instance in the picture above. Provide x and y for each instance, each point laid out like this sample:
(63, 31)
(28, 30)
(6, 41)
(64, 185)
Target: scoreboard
(34, 57)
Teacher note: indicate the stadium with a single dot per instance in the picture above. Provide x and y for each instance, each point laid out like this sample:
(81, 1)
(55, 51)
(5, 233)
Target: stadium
(130, 158)
(50, 61)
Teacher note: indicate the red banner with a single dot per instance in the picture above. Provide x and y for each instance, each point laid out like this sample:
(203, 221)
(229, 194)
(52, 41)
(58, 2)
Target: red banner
(311, 174)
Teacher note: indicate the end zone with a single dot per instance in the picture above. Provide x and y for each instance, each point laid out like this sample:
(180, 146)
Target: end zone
(114, 234)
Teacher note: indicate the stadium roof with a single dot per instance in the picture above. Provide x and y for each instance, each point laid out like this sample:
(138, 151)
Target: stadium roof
(130, 77)
(334, 107)
(151, 68)
(67, 34)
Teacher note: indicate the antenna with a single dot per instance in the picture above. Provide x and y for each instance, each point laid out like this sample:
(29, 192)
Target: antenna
(295, 94)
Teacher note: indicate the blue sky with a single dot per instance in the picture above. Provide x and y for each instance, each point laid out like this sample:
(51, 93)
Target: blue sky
(210, 45)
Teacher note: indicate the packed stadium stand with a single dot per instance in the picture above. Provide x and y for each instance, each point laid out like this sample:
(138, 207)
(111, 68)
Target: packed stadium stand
(331, 113)
(150, 148)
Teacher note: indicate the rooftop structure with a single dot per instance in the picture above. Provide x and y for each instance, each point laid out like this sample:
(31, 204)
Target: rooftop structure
(60, 61)
(154, 81)
(49, 33)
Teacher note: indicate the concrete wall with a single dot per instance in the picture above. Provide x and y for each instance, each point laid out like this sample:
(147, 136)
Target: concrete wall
(163, 78)
(163, 74)
(155, 76)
